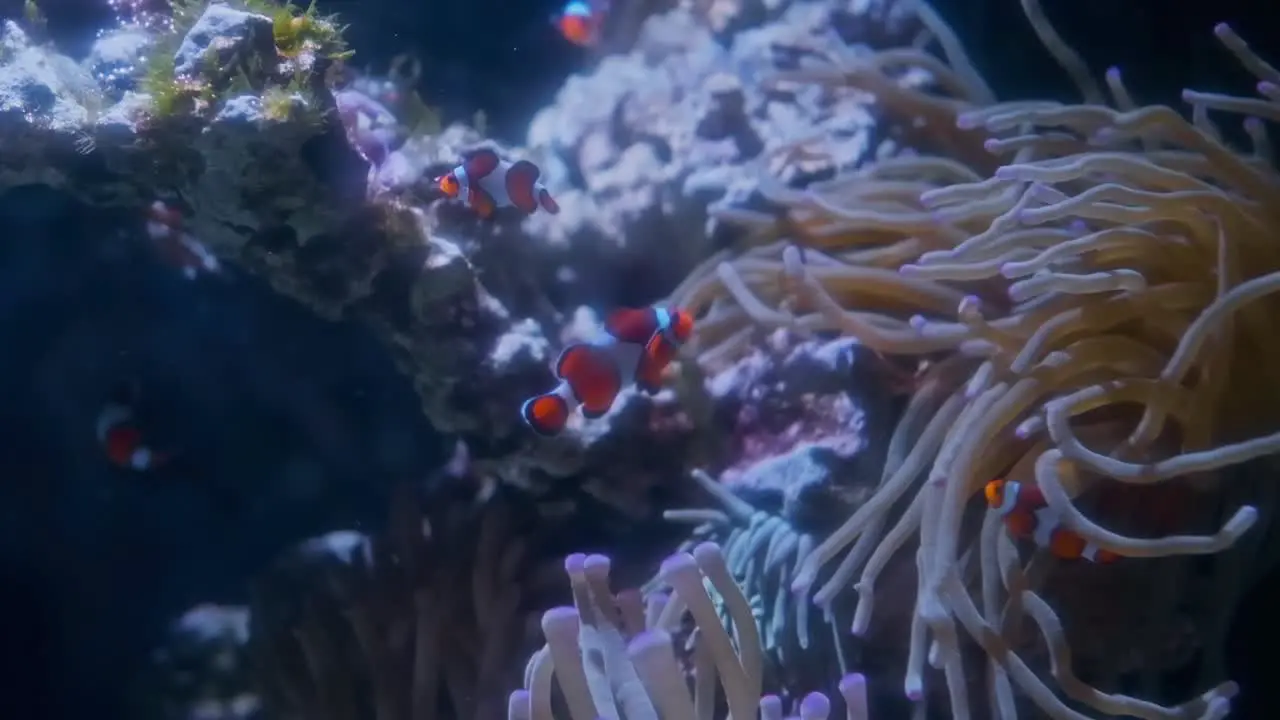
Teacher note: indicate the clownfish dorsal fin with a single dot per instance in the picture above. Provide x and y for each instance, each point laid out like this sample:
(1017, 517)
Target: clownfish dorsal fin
(633, 325)
(577, 359)
(591, 375)
(480, 164)
(521, 181)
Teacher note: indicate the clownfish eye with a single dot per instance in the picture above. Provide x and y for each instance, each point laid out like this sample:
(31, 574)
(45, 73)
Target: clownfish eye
(448, 184)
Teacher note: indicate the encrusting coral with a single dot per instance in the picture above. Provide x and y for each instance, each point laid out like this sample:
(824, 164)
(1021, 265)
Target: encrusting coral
(1087, 290)
(613, 655)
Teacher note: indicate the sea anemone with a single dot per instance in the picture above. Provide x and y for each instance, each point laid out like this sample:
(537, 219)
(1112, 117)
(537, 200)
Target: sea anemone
(612, 654)
(1092, 285)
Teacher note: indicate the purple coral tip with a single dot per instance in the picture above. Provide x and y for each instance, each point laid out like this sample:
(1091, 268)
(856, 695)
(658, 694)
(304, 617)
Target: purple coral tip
(707, 551)
(815, 705)
(647, 641)
(853, 683)
(560, 620)
(677, 563)
(574, 564)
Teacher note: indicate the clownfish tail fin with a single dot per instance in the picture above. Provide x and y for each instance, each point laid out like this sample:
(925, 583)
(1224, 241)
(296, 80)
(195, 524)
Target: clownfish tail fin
(546, 414)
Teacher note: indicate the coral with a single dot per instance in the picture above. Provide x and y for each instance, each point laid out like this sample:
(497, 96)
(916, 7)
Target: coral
(802, 429)
(1085, 289)
(612, 655)
(638, 148)
(762, 550)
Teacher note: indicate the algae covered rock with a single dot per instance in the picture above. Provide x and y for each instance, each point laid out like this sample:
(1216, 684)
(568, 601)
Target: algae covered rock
(230, 116)
(222, 36)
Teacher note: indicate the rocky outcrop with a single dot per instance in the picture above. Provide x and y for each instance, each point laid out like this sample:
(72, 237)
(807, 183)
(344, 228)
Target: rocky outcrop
(325, 198)
(268, 180)
(642, 147)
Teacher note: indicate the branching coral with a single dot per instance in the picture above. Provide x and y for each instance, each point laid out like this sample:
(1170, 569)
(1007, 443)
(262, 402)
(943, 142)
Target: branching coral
(1092, 284)
(612, 655)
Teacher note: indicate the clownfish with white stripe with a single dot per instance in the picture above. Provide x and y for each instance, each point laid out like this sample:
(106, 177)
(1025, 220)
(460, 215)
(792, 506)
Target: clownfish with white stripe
(165, 227)
(1027, 516)
(581, 22)
(486, 182)
(122, 441)
(638, 345)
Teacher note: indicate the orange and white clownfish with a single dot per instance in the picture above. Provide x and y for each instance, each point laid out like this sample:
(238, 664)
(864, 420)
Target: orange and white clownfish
(176, 247)
(486, 182)
(581, 22)
(1028, 517)
(639, 343)
(122, 441)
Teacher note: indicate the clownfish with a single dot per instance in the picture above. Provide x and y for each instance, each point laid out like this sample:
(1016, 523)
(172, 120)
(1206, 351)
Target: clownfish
(486, 182)
(120, 437)
(639, 343)
(581, 22)
(1028, 517)
(176, 247)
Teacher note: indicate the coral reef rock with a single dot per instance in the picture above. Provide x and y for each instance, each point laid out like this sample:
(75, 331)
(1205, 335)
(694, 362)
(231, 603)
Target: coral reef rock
(327, 198)
(639, 148)
(811, 420)
(268, 180)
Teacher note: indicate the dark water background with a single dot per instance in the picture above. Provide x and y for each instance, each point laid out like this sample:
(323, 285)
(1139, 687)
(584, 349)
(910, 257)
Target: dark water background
(269, 383)
(503, 57)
